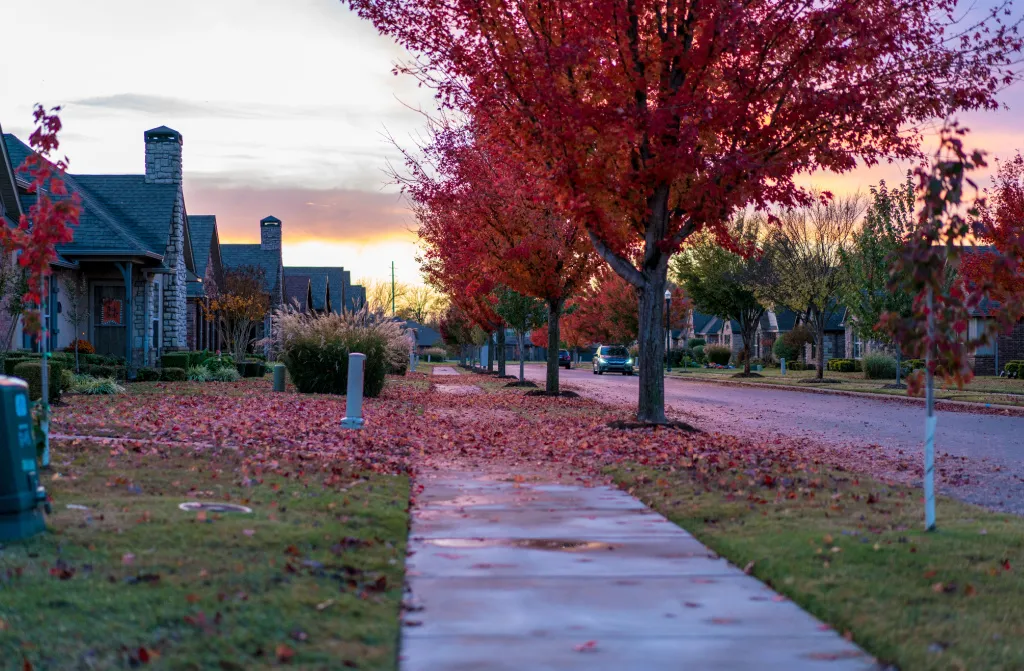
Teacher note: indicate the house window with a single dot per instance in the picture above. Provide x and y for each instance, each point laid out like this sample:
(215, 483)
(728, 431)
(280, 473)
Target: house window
(974, 329)
(858, 347)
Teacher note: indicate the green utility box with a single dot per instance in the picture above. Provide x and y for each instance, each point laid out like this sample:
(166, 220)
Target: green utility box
(21, 496)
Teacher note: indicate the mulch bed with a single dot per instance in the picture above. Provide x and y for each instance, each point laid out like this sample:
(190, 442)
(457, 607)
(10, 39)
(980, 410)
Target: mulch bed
(525, 383)
(563, 394)
(627, 425)
(748, 375)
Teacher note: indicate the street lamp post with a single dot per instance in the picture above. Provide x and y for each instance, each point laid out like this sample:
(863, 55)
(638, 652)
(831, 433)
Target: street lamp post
(668, 330)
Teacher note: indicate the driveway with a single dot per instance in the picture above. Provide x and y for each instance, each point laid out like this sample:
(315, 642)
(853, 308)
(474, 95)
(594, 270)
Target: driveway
(983, 455)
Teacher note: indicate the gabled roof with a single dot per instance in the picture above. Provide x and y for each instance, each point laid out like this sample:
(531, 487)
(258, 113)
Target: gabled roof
(700, 320)
(201, 227)
(10, 206)
(324, 281)
(297, 290)
(786, 319)
(714, 325)
(425, 335)
(122, 215)
(234, 256)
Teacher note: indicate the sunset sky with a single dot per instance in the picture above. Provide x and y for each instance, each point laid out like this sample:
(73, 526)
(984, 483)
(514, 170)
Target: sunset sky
(284, 108)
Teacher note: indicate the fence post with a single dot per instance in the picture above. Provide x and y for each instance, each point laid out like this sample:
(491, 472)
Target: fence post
(783, 362)
(354, 398)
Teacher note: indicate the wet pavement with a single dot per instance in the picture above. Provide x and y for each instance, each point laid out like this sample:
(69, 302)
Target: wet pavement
(527, 575)
(985, 452)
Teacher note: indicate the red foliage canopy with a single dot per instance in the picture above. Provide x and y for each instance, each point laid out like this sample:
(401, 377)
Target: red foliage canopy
(48, 222)
(652, 119)
(1003, 220)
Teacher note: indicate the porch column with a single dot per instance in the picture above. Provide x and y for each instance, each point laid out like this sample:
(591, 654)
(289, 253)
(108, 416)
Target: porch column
(126, 273)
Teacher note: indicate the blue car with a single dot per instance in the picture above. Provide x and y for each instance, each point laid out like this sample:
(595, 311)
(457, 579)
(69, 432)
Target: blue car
(613, 358)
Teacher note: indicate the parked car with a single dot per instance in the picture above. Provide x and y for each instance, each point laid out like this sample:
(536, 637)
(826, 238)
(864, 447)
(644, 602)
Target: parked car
(564, 359)
(613, 358)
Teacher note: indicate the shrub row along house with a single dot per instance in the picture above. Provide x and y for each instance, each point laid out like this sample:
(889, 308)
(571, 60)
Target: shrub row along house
(135, 231)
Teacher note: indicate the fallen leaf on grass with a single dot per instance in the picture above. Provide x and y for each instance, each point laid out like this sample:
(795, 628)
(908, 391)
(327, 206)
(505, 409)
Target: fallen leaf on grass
(589, 646)
(284, 653)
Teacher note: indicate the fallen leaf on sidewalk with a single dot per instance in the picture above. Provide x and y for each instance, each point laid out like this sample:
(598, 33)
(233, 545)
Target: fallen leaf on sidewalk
(589, 646)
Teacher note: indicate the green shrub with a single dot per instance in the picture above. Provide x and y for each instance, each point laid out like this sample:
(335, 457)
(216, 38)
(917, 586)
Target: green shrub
(217, 362)
(315, 349)
(696, 342)
(31, 372)
(11, 361)
(698, 354)
(843, 365)
(879, 367)
(719, 354)
(115, 372)
(196, 359)
(797, 365)
(251, 368)
(146, 374)
(913, 364)
(676, 357)
(67, 378)
(100, 360)
(173, 375)
(175, 360)
(198, 374)
(92, 386)
(784, 349)
(224, 375)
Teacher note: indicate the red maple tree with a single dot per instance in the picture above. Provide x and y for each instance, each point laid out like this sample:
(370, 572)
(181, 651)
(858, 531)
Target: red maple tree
(1002, 217)
(49, 220)
(653, 119)
(479, 215)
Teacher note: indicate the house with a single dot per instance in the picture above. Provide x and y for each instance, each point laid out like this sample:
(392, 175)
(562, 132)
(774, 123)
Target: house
(203, 284)
(10, 214)
(1005, 347)
(133, 248)
(426, 336)
(298, 292)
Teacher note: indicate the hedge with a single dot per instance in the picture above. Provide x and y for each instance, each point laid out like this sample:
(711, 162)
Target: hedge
(31, 372)
(719, 354)
(197, 358)
(696, 342)
(1014, 368)
(175, 360)
(146, 374)
(913, 364)
(251, 368)
(879, 367)
(173, 375)
(218, 362)
(845, 365)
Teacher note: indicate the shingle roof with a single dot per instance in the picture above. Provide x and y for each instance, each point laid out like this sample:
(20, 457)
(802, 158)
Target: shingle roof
(296, 290)
(425, 336)
(234, 256)
(786, 319)
(201, 228)
(121, 214)
(700, 320)
(9, 203)
(323, 277)
(714, 325)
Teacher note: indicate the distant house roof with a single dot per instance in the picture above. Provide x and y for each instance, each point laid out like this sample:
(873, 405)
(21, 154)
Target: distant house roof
(786, 319)
(713, 326)
(425, 335)
(700, 320)
(122, 215)
(334, 281)
(10, 207)
(201, 228)
(297, 291)
(235, 256)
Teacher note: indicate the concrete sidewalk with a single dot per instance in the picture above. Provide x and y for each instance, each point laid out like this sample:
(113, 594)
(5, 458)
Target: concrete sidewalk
(525, 576)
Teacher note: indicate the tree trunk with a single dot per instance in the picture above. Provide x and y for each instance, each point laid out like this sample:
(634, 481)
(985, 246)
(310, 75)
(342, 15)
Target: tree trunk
(899, 364)
(747, 337)
(501, 352)
(554, 315)
(490, 352)
(651, 401)
(522, 348)
(821, 349)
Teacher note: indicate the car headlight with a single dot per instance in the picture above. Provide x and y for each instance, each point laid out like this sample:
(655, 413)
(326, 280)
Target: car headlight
(629, 362)
(599, 359)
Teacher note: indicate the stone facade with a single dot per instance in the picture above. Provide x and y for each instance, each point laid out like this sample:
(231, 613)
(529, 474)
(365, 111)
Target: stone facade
(1007, 347)
(163, 166)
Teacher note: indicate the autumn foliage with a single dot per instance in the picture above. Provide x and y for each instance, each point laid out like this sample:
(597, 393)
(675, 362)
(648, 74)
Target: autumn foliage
(649, 120)
(51, 218)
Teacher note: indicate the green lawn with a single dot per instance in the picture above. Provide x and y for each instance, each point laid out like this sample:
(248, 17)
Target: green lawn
(853, 552)
(313, 577)
(993, 390)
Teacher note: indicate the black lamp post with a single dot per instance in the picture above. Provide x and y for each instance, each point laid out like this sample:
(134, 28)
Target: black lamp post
(668, 330)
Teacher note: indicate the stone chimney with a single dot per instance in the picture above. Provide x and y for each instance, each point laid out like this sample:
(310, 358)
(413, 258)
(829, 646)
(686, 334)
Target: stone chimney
(270, 234)
(163, 156)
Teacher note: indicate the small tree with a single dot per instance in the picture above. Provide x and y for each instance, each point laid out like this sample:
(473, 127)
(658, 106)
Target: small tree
(723, 282)
(241, 305)
(867, 263)
(807, 252)
(76, 288)
(522, 314)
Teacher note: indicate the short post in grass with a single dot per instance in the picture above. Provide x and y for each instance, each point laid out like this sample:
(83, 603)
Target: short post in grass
(354, 398)
(279, 376)
(930, 420)
(782, 362)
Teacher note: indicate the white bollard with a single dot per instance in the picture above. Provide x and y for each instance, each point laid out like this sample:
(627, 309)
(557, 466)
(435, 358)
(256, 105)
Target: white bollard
(783, 362)
(354, 399)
